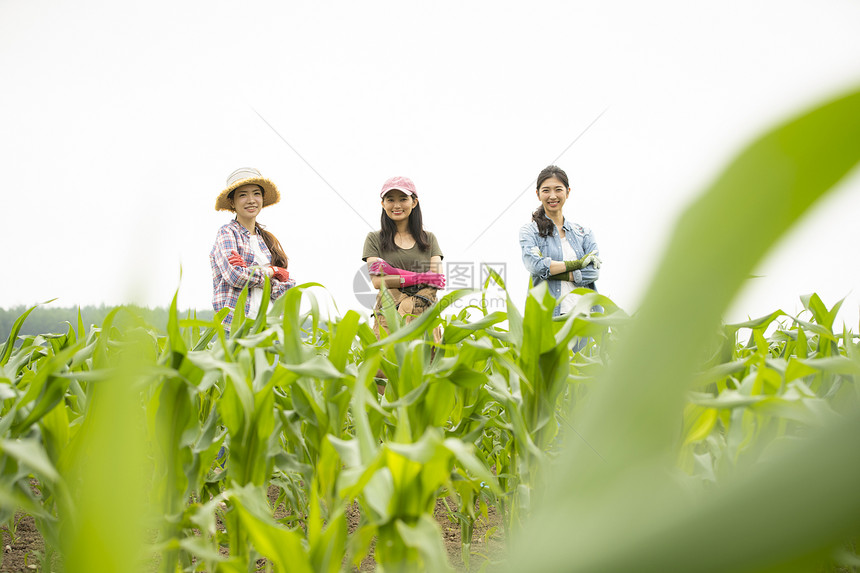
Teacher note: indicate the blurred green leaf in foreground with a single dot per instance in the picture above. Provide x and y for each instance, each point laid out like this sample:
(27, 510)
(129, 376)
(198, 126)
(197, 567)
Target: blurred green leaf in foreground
(624, 510)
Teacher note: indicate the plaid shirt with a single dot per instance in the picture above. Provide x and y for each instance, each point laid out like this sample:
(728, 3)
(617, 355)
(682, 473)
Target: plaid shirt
(228, 280)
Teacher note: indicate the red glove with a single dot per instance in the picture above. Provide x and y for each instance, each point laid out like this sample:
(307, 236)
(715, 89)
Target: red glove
(281, 274)
(236, 259)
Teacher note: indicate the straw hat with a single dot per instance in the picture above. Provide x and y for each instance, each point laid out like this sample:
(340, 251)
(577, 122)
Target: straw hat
(245, 176)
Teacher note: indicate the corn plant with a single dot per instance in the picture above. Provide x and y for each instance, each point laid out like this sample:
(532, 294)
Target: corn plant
(625, 453)
(778, 522)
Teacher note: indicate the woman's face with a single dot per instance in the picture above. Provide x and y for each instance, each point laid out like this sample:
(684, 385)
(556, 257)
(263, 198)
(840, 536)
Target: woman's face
(398, 205)
(552, 194)
(248, 201)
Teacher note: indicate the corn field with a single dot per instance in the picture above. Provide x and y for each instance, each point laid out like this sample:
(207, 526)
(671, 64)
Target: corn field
(670, 441)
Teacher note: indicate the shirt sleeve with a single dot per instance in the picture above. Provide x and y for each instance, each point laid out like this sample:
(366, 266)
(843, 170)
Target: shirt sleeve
(281, 287)
(233, 275)
(534, 260)
(584, 277)
(371, 246)
(435, 249)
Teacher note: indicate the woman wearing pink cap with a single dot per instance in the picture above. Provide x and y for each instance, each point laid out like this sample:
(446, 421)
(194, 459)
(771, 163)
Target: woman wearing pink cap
(402, 254)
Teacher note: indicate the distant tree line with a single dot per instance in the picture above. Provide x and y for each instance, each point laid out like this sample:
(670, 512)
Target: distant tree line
(51, 320)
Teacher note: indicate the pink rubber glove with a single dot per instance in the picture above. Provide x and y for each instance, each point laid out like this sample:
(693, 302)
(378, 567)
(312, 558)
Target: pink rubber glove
(431, 279)
(379, 267)
(236, 259)
(408, 278)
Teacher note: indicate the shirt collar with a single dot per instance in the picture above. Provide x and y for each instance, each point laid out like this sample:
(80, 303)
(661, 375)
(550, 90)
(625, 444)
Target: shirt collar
(238, 225)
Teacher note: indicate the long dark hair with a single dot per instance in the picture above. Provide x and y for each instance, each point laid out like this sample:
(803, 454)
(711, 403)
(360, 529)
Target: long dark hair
(388, 228)
(279, 257)
(544, 224)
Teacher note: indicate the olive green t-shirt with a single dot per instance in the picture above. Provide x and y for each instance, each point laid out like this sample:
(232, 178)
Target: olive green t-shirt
(413, 259)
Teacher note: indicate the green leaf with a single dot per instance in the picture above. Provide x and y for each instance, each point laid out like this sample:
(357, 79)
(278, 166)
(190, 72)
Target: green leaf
(426, 537)
(265, 297)
(455, 332)
(703, 425)
(29, 453)
(775, 518)
(344, 335)
(757, 323)
(13, 334)
(424, 322)
(282, 546)
(239, 312)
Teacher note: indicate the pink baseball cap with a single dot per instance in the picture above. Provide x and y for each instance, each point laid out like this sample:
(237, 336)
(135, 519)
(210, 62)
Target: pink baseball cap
(404, 184)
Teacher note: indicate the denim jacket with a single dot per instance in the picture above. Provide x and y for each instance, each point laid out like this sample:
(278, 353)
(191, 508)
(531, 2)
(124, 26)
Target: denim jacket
(538, 252)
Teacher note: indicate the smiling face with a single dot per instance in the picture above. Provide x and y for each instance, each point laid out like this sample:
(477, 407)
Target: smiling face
(398, 205)
(247, 201)
(552, 194)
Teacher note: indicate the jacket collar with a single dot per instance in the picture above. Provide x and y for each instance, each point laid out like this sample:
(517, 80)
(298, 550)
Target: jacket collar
(567, 226)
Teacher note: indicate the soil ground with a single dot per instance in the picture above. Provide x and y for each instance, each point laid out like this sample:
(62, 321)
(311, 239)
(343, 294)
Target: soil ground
(23, 548)
(23, 551)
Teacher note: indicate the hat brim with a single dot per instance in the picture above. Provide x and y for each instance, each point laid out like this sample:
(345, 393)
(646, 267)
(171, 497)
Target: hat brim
(271, 195)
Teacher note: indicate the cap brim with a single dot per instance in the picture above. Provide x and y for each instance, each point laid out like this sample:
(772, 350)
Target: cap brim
(406, 191)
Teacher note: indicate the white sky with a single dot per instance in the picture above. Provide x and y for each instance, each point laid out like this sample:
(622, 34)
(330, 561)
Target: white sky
(122, 120)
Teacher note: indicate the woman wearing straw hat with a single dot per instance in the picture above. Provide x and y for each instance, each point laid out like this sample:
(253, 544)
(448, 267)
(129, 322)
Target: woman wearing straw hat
(245, 253)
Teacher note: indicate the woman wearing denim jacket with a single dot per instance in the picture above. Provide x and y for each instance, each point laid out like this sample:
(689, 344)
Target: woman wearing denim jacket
(555, 249)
